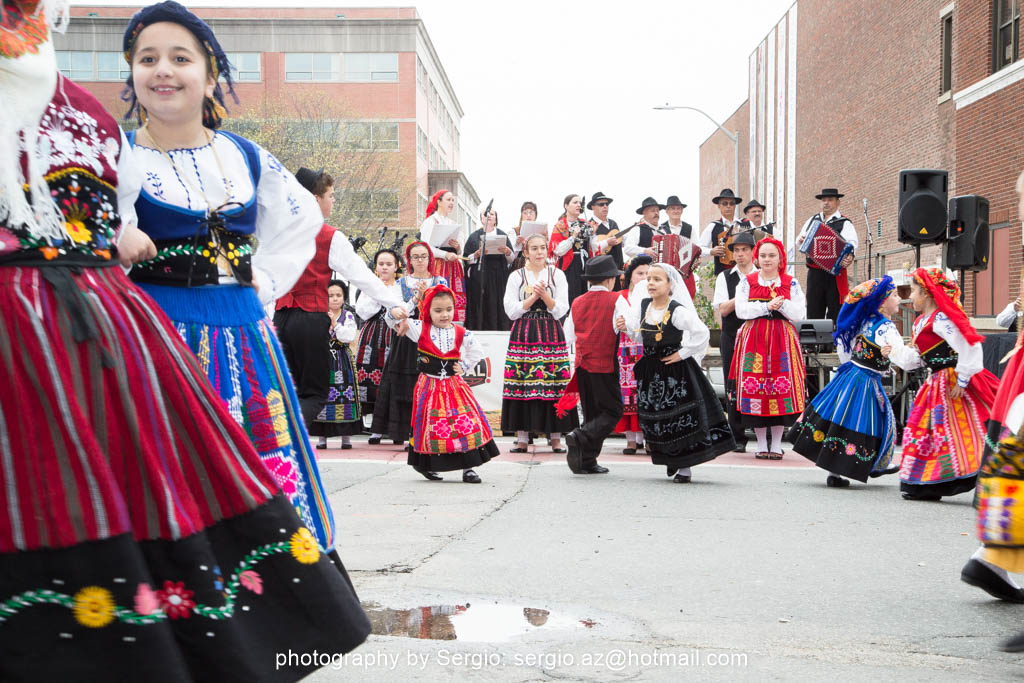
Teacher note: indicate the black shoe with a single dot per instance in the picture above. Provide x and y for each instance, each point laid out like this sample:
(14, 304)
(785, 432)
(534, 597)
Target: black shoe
(427, 474)
(740, 449)
(398, 443)
(575, 456)
(557, 449)
(931, 497)
(980, 576)
(834, 482)
(882, 473)
(470, 477)
(681, 478)
(594, 469)
(321, 446)
(373, 440)
(517, 449)
(1015, 644)
(629, 451)
(346, 446)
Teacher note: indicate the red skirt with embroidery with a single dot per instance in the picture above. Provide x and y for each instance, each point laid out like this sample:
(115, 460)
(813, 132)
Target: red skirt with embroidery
(453, 272)
(449, 429)
(768, 366)
(629, 353)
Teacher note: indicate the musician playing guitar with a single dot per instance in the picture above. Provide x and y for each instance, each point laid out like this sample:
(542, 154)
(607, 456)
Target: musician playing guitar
(712, 240)
(826, 292)
(602, 225)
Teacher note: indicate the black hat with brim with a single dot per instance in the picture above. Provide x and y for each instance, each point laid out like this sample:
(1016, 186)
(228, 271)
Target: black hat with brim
(726, 194)
(601, 268)
(307, 177)
(674, 201)
(647, 203)
(598, 196)
(745, 237)
(752, 204)
(829, 192)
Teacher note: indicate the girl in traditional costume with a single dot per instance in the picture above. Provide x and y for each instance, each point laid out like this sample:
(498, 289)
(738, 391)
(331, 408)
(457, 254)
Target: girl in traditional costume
(375, 335)
(140, 536)
(945, 434)
(487, 272)
(768, 364)
(341, 415)
(849, 429)
(537, 366)
(450, 431)
(569, 245)
(441, 233)
(630, 351)
(681, 418)
(392, 414)
(527, 212)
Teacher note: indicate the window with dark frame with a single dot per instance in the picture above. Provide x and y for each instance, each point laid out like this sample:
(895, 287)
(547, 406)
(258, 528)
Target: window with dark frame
(947, 54)
(1005, 27)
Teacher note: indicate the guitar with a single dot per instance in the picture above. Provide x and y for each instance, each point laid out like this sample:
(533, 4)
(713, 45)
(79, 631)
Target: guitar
(616, 232)
(729, 236)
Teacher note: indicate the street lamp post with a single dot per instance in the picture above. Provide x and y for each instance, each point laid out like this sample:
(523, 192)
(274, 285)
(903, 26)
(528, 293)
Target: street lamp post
(734, 137)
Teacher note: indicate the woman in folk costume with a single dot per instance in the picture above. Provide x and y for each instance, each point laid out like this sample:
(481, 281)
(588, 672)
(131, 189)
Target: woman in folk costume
(207, 197)
(768, 364)
(375, 335)
(341, 414)
(849, 429)
(569, 245)
(945, 434)
(486, 276)
(140, 537)
(527, 212)
(450, 431)
(682, 420)
(537, 366)
(392, 414)
(631, 351)
(441, 233)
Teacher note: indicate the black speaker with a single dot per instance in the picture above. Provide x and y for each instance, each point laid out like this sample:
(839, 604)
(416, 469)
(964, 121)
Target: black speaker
(968, 233)
(922, 208)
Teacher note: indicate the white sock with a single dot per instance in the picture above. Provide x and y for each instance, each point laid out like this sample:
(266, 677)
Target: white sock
(979, 555)
(762, 439)
(639, 439)
(523, 438)
(375, 435)
(777, 431)
(322, 441)
(554, 436)
(346, 439)
(685, 471)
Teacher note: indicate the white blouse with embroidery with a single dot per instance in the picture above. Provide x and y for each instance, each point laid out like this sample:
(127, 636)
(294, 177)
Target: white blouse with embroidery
(695, 333)
(902, 356)
(470, 354)
(524, 277)
(794, 308)
(345, 329)
(970, 358)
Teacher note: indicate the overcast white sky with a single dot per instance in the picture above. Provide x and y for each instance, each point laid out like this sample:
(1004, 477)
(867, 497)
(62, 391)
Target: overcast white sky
(558, 94)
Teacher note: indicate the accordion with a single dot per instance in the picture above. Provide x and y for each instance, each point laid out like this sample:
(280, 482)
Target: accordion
(824, 248)
(668, 247)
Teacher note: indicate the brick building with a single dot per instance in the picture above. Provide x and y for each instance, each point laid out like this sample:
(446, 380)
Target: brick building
(845, 94)
(378, 62)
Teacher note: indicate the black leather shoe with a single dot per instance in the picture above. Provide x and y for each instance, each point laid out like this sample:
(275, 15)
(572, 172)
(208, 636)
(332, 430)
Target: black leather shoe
(595, 469)
(574, 458)
(834, 482)
(517, 449)
(629, 451)
(882, 473)
(980, 576)
(346, 446)
(1015, 644)
(373, 440)
(930, 497)
(399, 443)
(432, 476)
(321, 446)
(681, 478)
(471, 477)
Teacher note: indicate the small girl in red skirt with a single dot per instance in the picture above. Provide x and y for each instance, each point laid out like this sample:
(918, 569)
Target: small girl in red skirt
(768, 365)
(449, 429)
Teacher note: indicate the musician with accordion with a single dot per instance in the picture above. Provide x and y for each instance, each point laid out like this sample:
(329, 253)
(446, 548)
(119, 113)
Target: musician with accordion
(829, 241)
(660, 242)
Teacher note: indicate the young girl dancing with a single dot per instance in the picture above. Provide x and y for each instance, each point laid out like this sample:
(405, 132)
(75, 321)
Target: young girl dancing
(340, 415)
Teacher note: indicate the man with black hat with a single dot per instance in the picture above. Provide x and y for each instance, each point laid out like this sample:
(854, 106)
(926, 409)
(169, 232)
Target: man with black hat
(826, 292)
(640, 238)
(711, 240)
(724, 302)
(753, 217)
(591, 327)
(602, 225)
(675, 225)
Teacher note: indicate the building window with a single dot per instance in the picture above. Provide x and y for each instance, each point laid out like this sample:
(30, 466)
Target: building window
(421, 205)
(433, 97)
(93, 66)
(312, 66)
(421, 75)
(379, 67)
(381, 205)
(947, 54)
(245, 66)
(371, 136)
(433, 157)
(314, 133)
(422, 145)
(1005, 25)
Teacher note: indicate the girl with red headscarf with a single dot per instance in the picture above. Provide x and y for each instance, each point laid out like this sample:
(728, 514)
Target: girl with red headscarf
(945, 434)
(392, 413)
(449, 429)
(768, 365)
(441, 233)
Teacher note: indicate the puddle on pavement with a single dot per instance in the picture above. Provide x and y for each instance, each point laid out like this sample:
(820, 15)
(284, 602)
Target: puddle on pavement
(472, 622)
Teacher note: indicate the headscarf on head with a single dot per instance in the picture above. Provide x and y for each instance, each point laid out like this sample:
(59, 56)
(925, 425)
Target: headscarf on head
(408, 257)
(28, 78)
(214, 110)
(432, 204)
(678, 291)
(946, 293)
(778, 245)
(861, 304)
(428, 297)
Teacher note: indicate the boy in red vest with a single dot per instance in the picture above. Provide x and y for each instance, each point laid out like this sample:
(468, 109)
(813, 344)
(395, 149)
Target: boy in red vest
(591, 327)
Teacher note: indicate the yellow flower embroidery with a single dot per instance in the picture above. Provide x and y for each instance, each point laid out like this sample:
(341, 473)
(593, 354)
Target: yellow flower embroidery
(93, 607)
(78, 232)
(304, 547)
(819, 435)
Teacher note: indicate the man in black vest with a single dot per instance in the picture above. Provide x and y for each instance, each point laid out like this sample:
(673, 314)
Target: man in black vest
(675, 223)
(826, 292)
(725, 303)
(640, 239)
(602, 225)
(726, 202)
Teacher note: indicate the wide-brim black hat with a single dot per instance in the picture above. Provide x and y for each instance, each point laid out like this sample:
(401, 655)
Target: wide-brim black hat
(647, 202)
(829, 192)
(753, 204)
(601, 268)
(726, 194)
(307, 177)
(673, 201)
(598, 196)
(746, 237)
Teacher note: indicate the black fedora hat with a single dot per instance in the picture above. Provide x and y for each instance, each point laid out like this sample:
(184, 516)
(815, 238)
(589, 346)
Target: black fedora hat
(752, 204)
(601, 268)
(726, 194)
(746, 237)
(599, 196)
(649, 201)
(308, 177)
(673, 201)
(829, 192)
